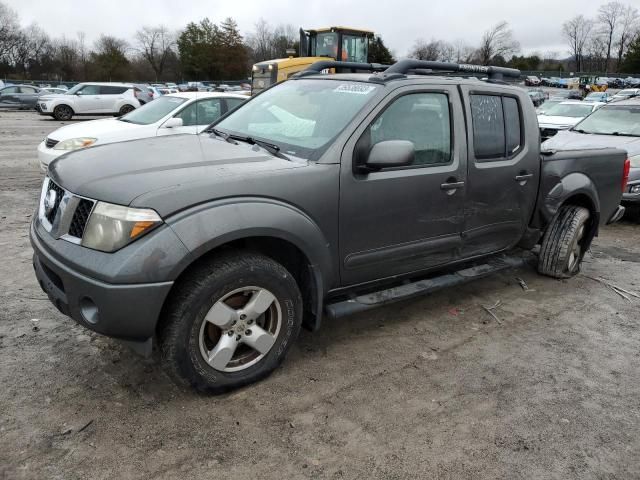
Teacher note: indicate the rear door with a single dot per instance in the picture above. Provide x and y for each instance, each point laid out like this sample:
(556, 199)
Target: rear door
(28, 96)
(109, 98)
(400, 220)
(503, 170)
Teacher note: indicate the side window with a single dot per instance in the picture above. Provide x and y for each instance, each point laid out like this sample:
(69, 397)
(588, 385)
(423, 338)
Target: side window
(188, 115)
(89, 90)
(208, 111)
(497, 131)
(233, 103)
(421, 118)
(9, 90)
(109, 90)
(27, 90)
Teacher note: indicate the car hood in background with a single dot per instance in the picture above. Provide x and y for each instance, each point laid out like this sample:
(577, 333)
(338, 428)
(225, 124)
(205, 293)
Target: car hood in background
(569, 140)
(103, 129)
(121, 172)
(550, 121)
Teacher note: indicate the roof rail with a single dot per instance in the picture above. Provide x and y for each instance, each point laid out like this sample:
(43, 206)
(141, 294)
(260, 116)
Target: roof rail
(404, 67)
(317, 67)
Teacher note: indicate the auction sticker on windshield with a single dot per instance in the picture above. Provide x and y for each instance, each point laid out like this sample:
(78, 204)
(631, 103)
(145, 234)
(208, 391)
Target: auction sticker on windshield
(357, 88)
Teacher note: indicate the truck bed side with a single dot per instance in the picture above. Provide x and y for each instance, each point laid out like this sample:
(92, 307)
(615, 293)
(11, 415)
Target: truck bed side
(591, 178)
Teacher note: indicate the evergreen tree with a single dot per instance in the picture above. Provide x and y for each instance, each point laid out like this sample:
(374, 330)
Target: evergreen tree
(631, 62)
(379, 53)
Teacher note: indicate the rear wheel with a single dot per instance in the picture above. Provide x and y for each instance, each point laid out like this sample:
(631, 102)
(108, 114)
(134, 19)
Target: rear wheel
(63, 112)
(126, 109)
(230, 323)
(563, 244)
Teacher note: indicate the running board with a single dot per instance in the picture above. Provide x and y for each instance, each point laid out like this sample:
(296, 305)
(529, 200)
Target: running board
(369, 301)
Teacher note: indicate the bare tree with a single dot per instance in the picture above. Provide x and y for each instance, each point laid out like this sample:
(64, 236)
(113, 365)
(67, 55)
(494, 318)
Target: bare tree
(423, 50)
(608, 17)
(155, 44)
(629, 27)
(576, 31)
(9, 30)
(260, 41)
(596, 52)
(497, 41)
(28, 50)
(463, 52)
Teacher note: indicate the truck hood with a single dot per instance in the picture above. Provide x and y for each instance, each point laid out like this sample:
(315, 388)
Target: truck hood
(168, 166)
(103, 129)
(568, 140)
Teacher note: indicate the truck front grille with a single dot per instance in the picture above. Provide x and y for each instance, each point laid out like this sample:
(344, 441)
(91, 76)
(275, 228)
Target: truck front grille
(80, 218)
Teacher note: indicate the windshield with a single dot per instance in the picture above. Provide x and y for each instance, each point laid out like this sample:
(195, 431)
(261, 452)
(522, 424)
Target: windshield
(594, 96)
(301, 116)
(613, 119)
(75, 88)
(575, 110)
(626, 93)
(326, 45)
(153, 111)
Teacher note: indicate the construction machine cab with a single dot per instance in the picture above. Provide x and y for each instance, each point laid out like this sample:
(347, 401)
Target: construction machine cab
(336, 43)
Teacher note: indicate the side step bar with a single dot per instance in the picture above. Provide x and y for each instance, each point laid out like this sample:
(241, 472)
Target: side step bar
(369, 301)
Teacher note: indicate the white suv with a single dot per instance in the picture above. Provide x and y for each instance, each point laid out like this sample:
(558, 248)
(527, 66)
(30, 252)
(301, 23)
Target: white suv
(89, 99)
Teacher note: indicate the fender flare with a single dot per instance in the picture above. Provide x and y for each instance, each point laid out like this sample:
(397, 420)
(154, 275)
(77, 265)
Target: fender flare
(211, 225)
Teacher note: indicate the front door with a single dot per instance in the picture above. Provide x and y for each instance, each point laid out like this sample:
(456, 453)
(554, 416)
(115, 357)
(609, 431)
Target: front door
(503, 171)
(88, 99)
(401, 220)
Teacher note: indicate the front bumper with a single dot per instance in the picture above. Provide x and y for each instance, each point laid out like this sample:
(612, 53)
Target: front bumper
(124, 311)
(629, 198)
(47, 155)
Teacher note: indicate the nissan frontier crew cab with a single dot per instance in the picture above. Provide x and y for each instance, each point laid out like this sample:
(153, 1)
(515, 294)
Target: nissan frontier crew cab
(326, 194)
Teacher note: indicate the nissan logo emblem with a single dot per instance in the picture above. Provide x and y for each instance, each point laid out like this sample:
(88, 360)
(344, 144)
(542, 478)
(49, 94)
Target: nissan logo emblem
(49, 201)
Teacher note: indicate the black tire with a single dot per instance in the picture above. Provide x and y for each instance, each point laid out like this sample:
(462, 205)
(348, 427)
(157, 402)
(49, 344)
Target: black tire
(563, 244)
(63, 112)
(183, 324)
(126, 109)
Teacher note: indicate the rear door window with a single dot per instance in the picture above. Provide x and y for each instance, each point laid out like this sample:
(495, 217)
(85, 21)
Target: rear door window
(112, 90)
(497, 129)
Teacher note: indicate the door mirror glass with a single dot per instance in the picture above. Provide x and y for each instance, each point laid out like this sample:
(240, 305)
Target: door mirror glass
(173, 123)
(390, 154)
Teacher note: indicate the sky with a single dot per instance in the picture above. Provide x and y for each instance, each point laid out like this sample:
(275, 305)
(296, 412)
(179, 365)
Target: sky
(536, 25)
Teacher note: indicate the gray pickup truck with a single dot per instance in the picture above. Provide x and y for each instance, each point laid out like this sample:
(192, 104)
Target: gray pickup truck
(327, 194)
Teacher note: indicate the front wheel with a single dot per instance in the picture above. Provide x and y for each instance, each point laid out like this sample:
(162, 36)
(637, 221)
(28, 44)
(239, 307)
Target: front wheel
(230, 323)
(63, 112)
(563, 244)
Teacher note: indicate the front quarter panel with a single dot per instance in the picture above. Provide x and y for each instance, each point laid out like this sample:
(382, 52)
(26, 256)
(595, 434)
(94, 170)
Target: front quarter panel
(210, 225)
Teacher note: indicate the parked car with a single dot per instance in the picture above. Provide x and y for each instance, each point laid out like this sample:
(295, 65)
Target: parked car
(626, 94)
(48, 90)
(89, 99)
(563, 116)
(532, 81)
(325, 194)
(548, 104)
(602, 97)
(19, 96)
(143, 93)
(632, 82)
(171, 114)
(575, 94)
(616, 83)
(614, 125)
(537, 96)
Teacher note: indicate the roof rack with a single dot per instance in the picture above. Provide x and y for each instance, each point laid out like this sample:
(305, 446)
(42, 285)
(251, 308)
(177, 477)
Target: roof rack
(317, 67)
(422, 67)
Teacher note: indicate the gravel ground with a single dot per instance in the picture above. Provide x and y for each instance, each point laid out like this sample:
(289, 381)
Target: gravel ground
(430, 388)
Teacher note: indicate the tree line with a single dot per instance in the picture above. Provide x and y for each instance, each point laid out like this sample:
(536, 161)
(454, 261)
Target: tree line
(204, 50)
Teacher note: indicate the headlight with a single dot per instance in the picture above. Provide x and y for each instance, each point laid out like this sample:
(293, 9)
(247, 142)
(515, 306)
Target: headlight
(75, 143)
(111, 227)
(635, 161)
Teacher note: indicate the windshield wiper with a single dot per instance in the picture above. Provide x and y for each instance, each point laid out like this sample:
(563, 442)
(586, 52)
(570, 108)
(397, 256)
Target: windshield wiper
(579, 130)
(272, 148)
(225, 136)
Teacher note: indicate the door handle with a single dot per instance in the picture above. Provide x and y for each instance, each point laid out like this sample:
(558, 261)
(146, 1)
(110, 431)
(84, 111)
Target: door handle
(522, 179)
(452, 185)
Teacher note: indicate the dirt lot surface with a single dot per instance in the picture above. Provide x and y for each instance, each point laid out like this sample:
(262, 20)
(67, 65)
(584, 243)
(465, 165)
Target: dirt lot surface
(432, 388)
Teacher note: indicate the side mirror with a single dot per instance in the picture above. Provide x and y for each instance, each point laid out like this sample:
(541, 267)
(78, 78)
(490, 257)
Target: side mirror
(390, 154)
(173, 123)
